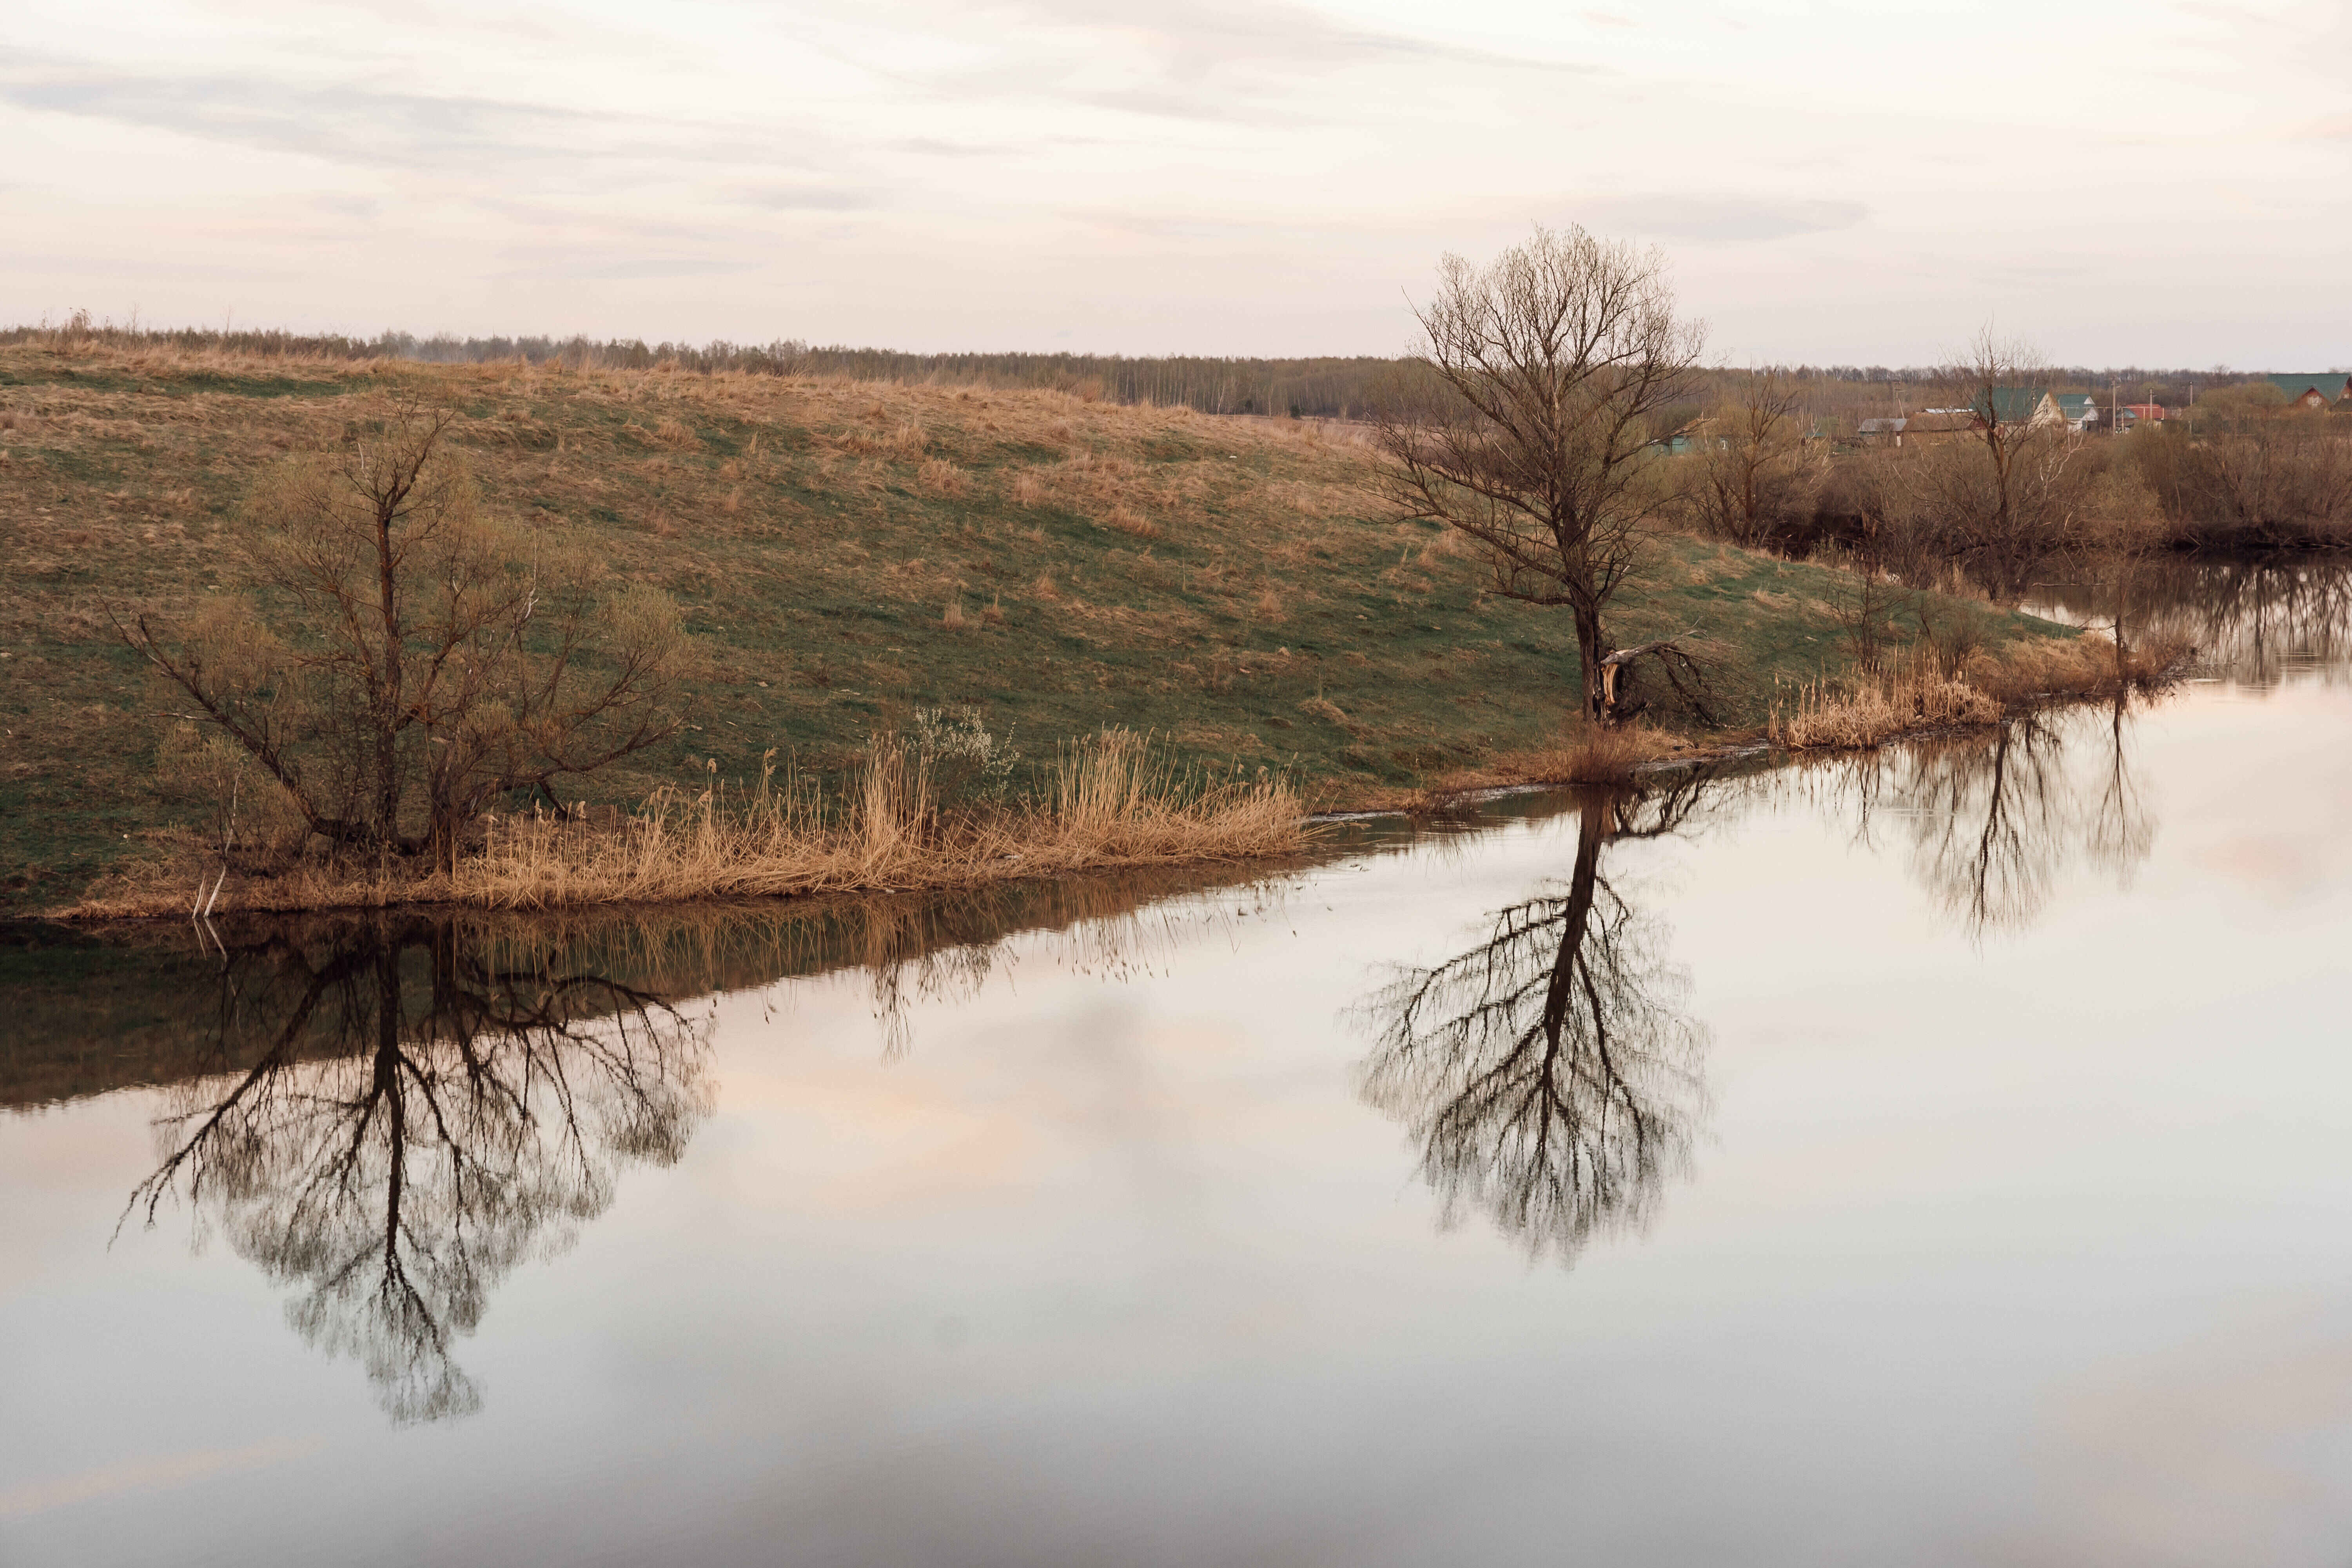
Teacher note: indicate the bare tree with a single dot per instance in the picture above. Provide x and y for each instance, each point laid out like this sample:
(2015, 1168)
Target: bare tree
(2249, 468)
(408, 661)
(1999, 507)
(1751, 470)
(1543, 375)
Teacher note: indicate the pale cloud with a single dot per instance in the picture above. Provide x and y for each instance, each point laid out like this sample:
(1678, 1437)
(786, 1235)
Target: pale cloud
(1715, 219)
(1203, 176)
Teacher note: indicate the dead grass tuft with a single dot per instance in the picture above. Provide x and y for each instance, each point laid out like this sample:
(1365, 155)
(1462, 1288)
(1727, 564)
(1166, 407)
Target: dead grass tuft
(1131, 523)
(671, 433)
(942, 478)
(1326, 710)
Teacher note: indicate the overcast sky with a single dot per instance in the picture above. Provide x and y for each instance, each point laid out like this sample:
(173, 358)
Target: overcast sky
(2119, 183)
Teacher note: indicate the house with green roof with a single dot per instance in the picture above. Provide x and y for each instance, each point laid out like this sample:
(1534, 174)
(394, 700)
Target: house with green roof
(2320, 389)
(2017, 405)
(2078, 408)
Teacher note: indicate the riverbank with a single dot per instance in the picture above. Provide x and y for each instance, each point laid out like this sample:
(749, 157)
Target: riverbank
(850, 558)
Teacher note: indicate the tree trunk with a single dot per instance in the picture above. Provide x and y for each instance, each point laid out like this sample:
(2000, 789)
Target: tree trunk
(1591, 647)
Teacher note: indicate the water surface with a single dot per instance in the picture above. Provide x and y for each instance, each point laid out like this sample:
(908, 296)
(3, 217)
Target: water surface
(1940, 1158)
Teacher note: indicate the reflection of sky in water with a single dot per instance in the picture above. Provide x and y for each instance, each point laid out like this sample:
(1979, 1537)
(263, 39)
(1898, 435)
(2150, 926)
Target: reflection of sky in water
(2013, 1241)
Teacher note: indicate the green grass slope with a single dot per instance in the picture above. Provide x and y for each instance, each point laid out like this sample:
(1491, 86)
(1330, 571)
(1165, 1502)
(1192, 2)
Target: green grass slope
(847, 553)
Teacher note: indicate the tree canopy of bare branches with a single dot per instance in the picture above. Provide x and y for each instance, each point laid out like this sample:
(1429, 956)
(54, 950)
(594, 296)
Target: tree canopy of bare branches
(405, 660)
(2004, 505)
(1752, 474)
(1541, 377)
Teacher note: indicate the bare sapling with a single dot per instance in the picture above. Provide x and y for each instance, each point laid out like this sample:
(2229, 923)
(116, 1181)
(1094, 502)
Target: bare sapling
(1524, 418)
(402, 662)
(1751, 473)
(2005, 503)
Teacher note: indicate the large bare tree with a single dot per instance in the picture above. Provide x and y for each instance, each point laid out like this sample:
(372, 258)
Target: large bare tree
(1541, 377)
(405, 660)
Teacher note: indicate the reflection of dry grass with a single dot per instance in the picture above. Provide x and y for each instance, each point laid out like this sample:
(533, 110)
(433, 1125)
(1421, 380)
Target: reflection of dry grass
(1909, 695)
(1116, 803)
(1589, 754)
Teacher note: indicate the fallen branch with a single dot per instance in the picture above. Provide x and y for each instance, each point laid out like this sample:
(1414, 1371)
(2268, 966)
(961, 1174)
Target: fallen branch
(1682, 672)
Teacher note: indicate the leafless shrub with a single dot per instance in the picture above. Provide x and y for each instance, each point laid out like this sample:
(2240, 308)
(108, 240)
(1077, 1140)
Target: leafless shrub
(396, 696)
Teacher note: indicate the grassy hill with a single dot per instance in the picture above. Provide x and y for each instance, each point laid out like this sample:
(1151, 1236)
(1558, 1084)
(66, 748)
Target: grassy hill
(847, 553)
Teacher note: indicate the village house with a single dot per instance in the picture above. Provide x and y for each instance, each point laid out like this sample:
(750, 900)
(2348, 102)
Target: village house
(2028, 405)
(1934, 426)
(2324, 389)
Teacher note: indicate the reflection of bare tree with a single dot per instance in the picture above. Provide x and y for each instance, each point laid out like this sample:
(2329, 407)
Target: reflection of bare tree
(1989, 823)
(2252, 620)
(1546, 1073)
(1994, 819)
(2121, 829)
(399, 1116)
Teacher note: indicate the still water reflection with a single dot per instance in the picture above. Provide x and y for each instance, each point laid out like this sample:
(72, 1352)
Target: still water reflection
(1549, 1074)
(1935, 1157)
(390, 1116)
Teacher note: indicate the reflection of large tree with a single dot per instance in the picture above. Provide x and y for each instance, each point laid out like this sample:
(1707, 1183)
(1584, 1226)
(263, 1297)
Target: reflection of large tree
(1546, 1073)
(399, 1116)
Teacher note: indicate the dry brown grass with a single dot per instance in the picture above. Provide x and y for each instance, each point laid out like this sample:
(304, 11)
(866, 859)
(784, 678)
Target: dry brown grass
(1116, 802)
(1586, 755)
(1915, 694)
(942, 478)
(1873, 708)
(1324, 708)
(1130, 522)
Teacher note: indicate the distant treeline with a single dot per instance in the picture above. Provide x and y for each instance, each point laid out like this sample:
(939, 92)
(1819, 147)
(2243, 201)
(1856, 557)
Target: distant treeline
(1322, 387)
(1325, 387)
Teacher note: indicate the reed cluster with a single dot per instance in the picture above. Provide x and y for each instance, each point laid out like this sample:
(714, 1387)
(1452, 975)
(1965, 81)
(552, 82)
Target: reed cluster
(1112, 802)
(1906, 695)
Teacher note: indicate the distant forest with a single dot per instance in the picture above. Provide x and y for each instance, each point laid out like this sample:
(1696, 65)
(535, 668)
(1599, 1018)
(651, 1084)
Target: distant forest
(1325, 387)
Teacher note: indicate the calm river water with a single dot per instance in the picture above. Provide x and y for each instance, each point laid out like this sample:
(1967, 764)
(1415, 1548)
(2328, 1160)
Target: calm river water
(1938, 1158)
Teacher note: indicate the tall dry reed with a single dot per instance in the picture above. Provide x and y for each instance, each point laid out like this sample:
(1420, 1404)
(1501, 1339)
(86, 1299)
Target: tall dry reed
(1908, 695)
(1114, 801)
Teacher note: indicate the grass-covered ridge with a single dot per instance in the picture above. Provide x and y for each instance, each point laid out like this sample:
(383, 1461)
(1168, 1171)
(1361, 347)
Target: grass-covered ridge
(846, 553)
